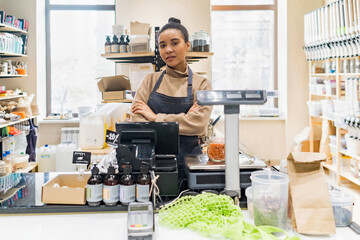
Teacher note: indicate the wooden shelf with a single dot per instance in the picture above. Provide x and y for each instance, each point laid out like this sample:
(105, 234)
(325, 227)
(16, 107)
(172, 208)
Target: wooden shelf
(2, 125)
(11, 97)
(349, 74)
(325, 118)
(323, 75)
(119, 101)
(7, 28)
(126, 55)
(12, 76)
(7, 54)
(351, 178)
(329, 166)
(323, 95)
(345, 152)
(30, 168)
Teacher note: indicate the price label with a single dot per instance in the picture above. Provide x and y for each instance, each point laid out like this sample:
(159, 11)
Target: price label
(112, 138)
(81, 157)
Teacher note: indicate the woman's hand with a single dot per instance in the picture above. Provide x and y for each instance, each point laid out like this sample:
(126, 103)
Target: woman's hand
(143, 109)
(193, 108)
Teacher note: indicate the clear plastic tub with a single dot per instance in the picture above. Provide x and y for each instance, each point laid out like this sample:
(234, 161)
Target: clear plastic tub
(249, 199)
(327, 108)
(270, 198)
(315, 108)
(342, 208)
(330, 86)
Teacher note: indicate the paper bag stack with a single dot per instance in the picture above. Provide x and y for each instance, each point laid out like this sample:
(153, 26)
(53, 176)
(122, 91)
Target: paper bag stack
(311, 209)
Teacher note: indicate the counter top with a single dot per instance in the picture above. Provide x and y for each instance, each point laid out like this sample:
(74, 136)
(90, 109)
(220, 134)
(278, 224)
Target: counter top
(105, 226)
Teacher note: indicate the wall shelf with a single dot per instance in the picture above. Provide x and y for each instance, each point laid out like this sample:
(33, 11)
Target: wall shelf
(7, 54)
(11, 97)
(329, 166)
(10, 123)
(351, 178)
(12, 76)
(7, 28)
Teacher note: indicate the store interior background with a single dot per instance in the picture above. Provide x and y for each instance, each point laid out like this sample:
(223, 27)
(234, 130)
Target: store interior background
(268, 139)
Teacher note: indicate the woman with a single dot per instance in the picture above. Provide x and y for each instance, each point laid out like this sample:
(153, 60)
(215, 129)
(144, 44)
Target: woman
(170, 95)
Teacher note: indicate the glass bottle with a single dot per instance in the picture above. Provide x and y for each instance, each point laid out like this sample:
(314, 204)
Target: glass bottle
(143, 184)
(111, 188)
(107, 45)
(115, 45)
(127, 186)
(94, 188)
(122, 44)
(128, 44)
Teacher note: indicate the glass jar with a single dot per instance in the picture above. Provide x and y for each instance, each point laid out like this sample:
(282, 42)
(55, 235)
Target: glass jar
(200, 42)
(216, 149)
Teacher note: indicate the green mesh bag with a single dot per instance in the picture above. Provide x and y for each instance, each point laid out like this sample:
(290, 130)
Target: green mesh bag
(214, 216)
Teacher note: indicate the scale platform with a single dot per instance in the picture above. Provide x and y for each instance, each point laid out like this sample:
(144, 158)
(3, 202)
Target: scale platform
(202, 163)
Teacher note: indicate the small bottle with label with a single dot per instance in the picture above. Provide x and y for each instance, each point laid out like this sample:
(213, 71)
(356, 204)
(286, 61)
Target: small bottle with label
(111, 188)
(108, 45)
(143, 184)
(94, 188)
(115, 47)
(128, 44)
(122, 44)
(127, 186)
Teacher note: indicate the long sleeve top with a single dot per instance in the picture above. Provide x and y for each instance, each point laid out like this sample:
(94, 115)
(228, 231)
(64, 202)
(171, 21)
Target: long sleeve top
(175, 83)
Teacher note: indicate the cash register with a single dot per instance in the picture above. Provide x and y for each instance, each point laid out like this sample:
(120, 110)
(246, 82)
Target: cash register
(155, 144)
(234, 173)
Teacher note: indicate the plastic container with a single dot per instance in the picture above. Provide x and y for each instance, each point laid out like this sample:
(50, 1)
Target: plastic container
(330, 87)
(92, 132)
(216, 149)
(270, 198)
(2, 168)
(320, 89)
(249, 199)
(64, 156)
(327, 108)
(315, 108)
(46, 158)
(200, 42)
(342, 208)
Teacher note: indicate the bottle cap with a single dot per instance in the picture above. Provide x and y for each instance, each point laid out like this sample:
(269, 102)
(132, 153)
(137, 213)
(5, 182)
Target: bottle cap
(128, 169)
(144, 169)
(111, 170)
(95, 170)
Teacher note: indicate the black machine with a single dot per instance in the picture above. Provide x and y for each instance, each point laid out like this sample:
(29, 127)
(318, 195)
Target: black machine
(155, 144)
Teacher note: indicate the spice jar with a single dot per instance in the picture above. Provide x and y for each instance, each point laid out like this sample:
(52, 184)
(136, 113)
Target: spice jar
(216, 149)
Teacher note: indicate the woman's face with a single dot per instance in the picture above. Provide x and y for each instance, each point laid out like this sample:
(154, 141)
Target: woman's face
(173, 48)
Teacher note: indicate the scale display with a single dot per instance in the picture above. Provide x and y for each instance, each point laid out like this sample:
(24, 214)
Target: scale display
(231, 97)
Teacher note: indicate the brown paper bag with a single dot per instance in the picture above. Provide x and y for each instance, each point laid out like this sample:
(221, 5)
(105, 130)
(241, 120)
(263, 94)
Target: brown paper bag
(311, 209)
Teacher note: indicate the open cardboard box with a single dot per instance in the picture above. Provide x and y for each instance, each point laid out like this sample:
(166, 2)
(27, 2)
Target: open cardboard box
(114, 87)
(75, 193)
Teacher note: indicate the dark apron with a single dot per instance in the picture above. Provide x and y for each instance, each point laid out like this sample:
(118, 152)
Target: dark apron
(160, 103)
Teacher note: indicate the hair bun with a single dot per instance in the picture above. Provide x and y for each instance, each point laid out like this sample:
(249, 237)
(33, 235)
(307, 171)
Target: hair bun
(174, 20)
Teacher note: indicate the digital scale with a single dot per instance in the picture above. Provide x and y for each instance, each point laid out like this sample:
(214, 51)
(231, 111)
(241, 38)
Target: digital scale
(140, 221)
(204, 173)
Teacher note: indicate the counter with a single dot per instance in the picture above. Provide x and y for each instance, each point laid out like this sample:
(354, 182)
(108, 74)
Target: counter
(104, 226)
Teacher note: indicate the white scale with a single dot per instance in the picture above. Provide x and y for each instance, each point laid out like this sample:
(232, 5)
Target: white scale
(232, 99)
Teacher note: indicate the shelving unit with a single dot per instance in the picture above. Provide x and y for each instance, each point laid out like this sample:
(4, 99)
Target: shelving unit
(7, 54)
(6, 28)
(313, 121)
(12, 76)
(10, 123)
(11, 97)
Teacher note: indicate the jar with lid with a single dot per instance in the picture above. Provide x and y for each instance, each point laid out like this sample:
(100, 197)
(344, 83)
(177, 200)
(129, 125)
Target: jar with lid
(216, 149)
(200, 42)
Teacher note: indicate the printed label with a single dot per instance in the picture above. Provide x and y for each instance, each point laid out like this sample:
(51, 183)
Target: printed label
(123, 48)
(107, 49)
(94, 192)
(127, 193)
(111, 193)
(142, 193)
(115, 48)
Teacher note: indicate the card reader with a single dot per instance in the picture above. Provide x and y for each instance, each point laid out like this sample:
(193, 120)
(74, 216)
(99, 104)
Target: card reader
(140, 221)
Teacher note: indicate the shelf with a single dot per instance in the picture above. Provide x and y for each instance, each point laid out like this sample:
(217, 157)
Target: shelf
(31, 167)
(323, 75)
(120, 100)
(350, 74)
(7, 54)
(349, 177)
(325, 118)
(345, 152)
(11, 97)
(12, 76)
(2, 125)
(6, 28)
(323, 95)
(329, 166)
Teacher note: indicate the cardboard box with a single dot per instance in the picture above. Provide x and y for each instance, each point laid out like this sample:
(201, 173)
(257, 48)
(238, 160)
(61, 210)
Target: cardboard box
(138, 28)
(75, 193)
(305, 146)
(114, 83)
(113, 95)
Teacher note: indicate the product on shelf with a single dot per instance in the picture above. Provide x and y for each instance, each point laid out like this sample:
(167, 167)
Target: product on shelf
(127, 186)
(94, 188)
(143, 184)
(111, 188)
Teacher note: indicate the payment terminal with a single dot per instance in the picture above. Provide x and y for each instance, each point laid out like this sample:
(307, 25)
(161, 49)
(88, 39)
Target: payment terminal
(140, 221)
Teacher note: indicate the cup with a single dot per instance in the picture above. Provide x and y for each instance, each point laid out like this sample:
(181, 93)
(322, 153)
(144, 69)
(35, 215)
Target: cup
(270, 198)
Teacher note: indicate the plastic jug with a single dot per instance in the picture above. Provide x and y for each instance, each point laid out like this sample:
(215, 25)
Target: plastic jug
(270, 198)
(64, 155)
(92, 131)
(46, 158)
